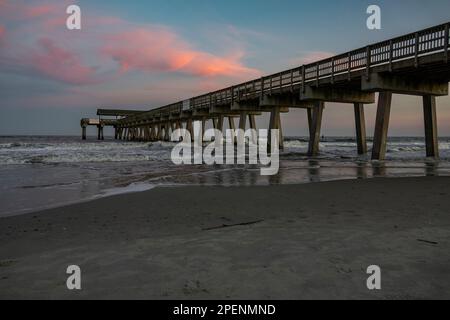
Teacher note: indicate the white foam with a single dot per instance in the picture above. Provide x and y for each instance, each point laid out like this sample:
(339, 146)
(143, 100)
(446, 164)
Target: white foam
(131, 188)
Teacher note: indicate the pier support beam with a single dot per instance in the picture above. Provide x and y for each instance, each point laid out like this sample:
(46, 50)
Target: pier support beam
(404, 85)
(214, 122)
(131, 134)
(242, 120)
(275, 124)
(100, 135)
(430, 120)
(242, 125)
(190, 128)
(220, 123)
(340, 95)
(219, 127)
(232, 127)
(83, 132)
(203, 128)
(151, 135)
(381, 125)
(147, 133)
(310, 119)
(160, 132)
(280, 129)
(283, 101)
(316, 125)
(167, 132)
(252, 121)
(360, 128)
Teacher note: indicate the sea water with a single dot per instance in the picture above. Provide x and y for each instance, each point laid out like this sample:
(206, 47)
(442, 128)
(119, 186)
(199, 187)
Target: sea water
(42, 172)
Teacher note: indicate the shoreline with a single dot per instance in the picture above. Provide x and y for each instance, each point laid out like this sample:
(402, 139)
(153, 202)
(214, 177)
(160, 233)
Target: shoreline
(265, 242)
(67, 171)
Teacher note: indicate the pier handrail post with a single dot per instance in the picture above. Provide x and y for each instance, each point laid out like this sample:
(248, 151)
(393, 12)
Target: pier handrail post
(332, 70)
(368, 61)
(349, 66)
(317, 73)
(391, 54)
(446, 42)
(416, 50)
(303, 78)
(270, 86)
(262, 88)
(292, 80)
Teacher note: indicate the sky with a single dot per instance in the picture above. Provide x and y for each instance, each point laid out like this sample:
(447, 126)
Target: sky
(146, 54)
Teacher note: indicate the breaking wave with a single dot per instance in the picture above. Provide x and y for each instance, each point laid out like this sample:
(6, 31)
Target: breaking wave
(45, 150)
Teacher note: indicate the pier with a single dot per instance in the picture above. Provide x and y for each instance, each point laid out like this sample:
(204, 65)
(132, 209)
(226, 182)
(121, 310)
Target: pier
(102, 122)
(413, 64)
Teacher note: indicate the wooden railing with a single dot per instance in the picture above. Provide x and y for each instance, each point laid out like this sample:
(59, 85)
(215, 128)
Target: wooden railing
(410, 46)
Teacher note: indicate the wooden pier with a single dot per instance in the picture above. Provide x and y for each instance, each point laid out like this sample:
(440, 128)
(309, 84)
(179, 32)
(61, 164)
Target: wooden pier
(102, 122)
(412, 64)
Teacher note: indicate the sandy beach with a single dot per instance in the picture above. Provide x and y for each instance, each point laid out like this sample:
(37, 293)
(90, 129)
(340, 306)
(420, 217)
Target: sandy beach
(279, 242)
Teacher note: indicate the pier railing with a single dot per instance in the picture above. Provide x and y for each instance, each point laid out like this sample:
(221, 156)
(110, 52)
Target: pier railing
(411, 46)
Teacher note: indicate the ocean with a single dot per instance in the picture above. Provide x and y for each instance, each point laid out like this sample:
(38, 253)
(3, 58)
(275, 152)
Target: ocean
(48, 171)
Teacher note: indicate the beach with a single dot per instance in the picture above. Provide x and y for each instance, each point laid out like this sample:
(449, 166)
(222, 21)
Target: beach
(299, 241)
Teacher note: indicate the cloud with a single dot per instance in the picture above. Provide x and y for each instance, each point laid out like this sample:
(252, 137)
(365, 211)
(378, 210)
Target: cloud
(56, 63)
(23, 10)
(162, 50)
(40, 10)
(115, 46)
(27, 52)
(114, 54)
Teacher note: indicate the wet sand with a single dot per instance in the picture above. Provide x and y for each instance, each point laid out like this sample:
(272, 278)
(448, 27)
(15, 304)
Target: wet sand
(279, 242)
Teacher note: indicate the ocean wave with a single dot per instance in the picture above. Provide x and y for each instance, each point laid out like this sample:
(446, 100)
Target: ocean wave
(79, 158)
(44, 151)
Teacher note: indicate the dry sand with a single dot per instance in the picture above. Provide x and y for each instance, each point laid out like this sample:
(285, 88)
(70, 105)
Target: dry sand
(309, 241)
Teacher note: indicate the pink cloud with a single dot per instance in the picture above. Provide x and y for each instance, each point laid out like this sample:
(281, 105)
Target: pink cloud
(105, 40)
(52, 56)
(2, 31)
(59, 64)
(40, 10)
(159, 49)
(23, 10)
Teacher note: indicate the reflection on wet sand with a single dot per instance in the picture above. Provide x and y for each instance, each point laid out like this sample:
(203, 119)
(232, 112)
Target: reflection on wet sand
(292, 172)
(431, 169)
(379, 169)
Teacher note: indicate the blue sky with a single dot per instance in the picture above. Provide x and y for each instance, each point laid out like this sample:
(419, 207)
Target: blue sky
(245, 38)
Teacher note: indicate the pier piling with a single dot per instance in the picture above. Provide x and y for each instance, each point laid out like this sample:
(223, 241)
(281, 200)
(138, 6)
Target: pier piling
(430, 120)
